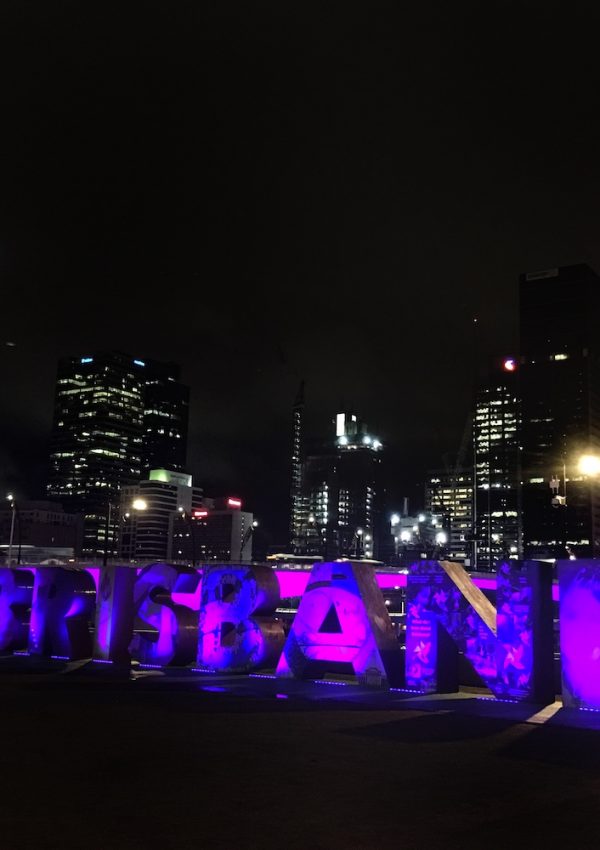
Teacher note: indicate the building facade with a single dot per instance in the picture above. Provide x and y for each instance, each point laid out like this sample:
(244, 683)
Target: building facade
(149, 510)
(342, 494)
(114, 416)
(218, 531)
(496, 432)
(560, 389)
(449, 495)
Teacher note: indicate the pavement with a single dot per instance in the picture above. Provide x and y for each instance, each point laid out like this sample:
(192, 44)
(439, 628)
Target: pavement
(96, 757)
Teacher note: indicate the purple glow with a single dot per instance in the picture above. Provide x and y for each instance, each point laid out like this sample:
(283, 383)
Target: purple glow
(236, 630)
(341, 619)
(16, 593)
(501, 648)
(293, 582)
(580, 643)
(114, 614)
(94, 572)
(62, 606)
(164, 632)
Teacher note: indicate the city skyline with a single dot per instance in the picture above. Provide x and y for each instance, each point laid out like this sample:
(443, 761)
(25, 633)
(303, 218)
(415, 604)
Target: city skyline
(341, 220)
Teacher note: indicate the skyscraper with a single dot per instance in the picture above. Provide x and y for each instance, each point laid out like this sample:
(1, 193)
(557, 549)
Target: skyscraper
(497, 466)
(114, 415)
(166, 410)
(297, 511)
(450, 496)
(560, 389)
(342, 493)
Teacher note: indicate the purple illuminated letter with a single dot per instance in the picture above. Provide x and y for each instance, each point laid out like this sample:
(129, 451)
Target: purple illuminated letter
(342, 625)
(16, 590)
(164, 632)
(237, 631)
(579, 583)
(510, 646)
(114, 614)
(63, 606)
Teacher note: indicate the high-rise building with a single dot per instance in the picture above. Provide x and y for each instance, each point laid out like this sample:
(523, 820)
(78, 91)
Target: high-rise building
(497, 466)
(297, 511)
(166, 411)
(149, 510)
(560, 390)
(342, 494)
(217, 531)
(449, 495)
(114, 415)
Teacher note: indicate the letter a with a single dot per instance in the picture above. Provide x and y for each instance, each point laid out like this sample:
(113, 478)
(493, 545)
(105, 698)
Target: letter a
(342, 625)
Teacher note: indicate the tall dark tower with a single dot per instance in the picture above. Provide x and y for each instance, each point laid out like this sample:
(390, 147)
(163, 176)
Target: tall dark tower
(560, 390)
(296, 502)
(497, 465)
(166, 412)
(114, 416)
(342, 494)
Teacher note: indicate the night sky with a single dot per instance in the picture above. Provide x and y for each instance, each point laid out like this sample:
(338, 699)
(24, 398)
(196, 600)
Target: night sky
(265, 192)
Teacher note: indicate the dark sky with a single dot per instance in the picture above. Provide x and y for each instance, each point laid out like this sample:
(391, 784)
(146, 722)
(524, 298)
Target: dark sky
(267, 191)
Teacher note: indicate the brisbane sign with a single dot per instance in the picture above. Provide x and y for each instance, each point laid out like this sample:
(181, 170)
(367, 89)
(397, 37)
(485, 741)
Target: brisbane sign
(223, 618)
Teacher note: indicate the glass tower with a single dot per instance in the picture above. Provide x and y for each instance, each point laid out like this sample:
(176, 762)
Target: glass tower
(114, 416)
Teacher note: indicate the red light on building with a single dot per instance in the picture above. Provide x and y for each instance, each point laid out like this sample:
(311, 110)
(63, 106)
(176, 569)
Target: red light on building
(509, 364)
(200, 513)
(234, 503)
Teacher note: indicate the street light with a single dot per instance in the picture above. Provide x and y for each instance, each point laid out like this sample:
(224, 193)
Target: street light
(139, 505)
(11, 499)
(589, 465)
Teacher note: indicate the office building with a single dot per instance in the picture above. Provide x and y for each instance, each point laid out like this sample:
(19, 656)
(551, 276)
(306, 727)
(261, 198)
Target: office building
(114, 416)
(218, 531)
(449, 495)
(342, 494)
(560, 390)
(165, 417)
(148, 513)
(497, 467)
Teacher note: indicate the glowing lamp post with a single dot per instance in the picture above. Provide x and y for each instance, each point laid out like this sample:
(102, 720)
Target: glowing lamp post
(589, 465)
(11, 499)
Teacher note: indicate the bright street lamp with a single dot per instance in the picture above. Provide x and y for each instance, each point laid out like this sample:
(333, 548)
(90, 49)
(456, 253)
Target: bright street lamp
(139, 505)
(13, 505)
(589, 465)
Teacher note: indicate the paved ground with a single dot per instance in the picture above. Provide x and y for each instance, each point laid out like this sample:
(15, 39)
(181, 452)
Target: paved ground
(90, 762)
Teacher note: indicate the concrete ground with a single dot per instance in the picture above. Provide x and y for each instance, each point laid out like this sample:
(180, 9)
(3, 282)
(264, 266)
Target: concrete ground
(91, 760)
